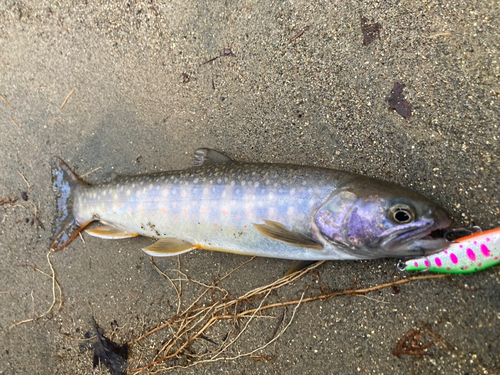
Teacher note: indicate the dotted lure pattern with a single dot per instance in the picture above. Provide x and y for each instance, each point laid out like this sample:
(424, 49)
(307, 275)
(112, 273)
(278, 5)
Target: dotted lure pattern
(468, 254)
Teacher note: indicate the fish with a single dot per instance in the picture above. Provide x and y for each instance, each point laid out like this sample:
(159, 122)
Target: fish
(282, 211)
(473, 253)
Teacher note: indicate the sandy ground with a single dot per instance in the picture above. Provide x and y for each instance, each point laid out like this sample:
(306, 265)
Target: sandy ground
(144, 98)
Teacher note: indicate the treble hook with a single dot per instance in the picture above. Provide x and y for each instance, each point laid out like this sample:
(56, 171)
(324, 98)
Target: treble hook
(470, 230)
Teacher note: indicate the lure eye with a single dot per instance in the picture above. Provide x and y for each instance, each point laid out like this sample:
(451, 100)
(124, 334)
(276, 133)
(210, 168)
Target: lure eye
(402, 215)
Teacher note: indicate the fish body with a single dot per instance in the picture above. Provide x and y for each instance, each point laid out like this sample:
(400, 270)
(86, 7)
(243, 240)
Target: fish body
(271, 210)
(466, 255)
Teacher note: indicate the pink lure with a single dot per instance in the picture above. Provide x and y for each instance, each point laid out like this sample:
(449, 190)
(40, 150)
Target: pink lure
(466, 255)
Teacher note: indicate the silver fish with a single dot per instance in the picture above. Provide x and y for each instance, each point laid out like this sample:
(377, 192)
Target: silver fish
(270, 210)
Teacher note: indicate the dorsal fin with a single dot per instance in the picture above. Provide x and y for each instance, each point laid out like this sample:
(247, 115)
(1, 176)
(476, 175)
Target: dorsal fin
(207, 156)
(278, 231)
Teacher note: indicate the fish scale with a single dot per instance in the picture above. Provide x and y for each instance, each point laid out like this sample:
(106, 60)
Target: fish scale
(273, 210)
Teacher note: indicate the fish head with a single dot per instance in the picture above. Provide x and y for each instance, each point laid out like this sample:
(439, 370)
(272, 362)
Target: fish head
(369, 219)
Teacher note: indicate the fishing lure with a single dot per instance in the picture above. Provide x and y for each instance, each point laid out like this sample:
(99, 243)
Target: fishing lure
(466, 255)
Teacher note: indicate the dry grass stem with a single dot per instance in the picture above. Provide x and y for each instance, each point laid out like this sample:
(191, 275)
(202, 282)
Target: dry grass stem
(14, 121)
(25, 180)
(67, 98)
(92, 171)
(6, 101)
(54, 299)
(192, 324)
(57, 122)
(439, 34)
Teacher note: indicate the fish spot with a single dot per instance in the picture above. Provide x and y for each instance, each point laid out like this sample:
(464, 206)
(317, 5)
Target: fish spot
(163, 210)
(233, 183)
(453, 258)
(115, 196)
(438, 262)
(243, 183)
(129, 209)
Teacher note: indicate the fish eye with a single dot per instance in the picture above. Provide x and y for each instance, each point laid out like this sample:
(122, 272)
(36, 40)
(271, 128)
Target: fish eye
(402, 215)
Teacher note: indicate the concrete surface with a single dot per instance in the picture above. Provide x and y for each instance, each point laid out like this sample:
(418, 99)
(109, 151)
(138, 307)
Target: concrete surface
(318, 100)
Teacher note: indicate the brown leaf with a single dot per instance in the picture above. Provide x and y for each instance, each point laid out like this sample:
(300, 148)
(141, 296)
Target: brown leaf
(398, 102)
(371, 31)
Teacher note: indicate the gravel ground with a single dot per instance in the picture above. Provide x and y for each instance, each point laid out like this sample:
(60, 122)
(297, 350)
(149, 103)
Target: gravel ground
(151, 81)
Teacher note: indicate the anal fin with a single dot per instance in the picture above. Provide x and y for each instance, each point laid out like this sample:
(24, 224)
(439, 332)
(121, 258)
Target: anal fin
(169, 246)
(110, 232)
(278, 231)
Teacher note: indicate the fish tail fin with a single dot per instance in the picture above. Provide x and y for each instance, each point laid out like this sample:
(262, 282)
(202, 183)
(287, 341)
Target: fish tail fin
(64, 184)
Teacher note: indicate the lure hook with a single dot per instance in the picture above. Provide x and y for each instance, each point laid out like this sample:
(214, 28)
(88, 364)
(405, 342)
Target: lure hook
(469, 230)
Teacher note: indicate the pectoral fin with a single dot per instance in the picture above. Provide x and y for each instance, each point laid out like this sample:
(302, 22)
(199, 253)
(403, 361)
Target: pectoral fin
(299, 265)
(169, 246)
(110, 232)
(278, 231)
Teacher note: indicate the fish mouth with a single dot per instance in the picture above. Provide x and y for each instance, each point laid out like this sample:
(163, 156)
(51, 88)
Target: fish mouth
(424, 235)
